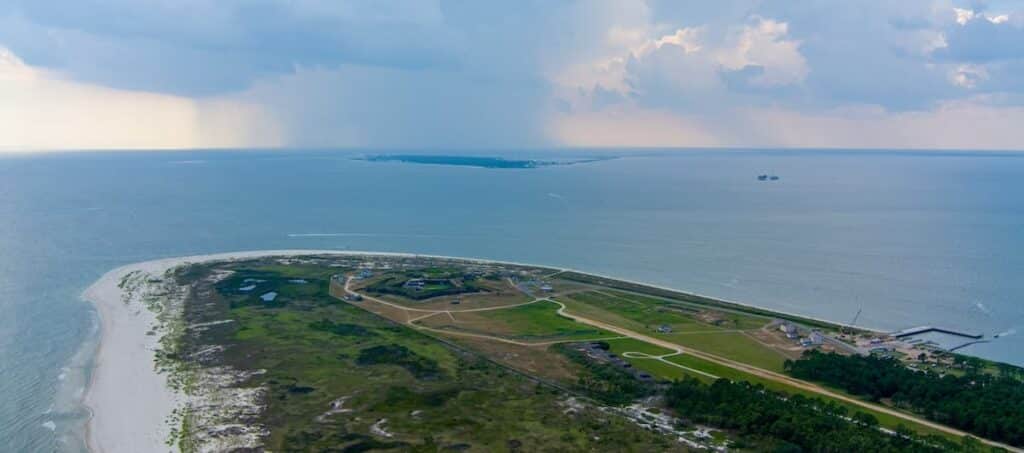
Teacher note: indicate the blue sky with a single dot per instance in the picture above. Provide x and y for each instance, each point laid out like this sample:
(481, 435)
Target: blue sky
(486, 75)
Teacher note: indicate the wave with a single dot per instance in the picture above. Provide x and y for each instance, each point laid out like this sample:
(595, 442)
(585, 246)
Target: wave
(1005, 334)
(366, 235)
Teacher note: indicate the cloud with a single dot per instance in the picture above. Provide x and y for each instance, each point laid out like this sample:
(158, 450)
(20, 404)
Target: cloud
(43, 111)
(446, 73)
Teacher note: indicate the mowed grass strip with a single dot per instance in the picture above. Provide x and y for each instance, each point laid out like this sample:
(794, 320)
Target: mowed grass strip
(641, 313)
(730, 319)
(541, 321)
(647, 315)
(652, 366)
(732, 345)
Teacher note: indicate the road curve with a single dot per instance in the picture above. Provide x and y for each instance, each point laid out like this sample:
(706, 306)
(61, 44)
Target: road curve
(778, 377)
(760, 372)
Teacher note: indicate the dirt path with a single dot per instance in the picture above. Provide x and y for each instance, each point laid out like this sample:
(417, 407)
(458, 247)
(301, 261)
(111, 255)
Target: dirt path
(626, 333)
(410, 321)
(771, 375)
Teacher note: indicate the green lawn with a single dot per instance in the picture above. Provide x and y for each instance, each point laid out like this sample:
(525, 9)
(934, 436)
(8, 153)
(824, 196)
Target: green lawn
(540, 321)
(644, 315)
(731, 345)
(731, 320)
(620, 345)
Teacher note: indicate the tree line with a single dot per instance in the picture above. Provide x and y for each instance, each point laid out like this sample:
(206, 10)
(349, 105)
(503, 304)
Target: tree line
(990, 406)
(793, 423)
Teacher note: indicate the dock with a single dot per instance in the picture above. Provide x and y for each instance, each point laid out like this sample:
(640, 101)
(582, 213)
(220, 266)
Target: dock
(925, 329)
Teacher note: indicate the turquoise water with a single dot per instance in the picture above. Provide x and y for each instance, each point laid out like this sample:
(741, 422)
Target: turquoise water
(910, 238)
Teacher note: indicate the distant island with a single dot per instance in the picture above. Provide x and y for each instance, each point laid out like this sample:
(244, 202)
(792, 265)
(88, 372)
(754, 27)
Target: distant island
(336, 351)
(474, 161)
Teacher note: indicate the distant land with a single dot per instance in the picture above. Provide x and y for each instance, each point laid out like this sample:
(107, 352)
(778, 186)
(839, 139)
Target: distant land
(474, 161)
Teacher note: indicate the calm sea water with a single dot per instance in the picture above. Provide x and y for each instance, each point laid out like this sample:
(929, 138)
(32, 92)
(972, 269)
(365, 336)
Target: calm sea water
(909, 238)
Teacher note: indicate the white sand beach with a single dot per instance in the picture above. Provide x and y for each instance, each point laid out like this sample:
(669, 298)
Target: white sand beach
(130, 402)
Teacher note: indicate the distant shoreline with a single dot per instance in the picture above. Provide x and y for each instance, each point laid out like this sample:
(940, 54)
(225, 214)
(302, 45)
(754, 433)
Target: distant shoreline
(130, 402)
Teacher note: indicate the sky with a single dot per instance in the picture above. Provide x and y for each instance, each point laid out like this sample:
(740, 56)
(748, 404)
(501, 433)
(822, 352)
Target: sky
(389, 74)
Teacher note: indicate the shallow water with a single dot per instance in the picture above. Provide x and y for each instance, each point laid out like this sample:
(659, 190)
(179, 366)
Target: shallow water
(909, 238)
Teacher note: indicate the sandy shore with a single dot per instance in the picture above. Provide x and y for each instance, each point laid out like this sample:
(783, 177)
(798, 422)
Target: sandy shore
(130, 402)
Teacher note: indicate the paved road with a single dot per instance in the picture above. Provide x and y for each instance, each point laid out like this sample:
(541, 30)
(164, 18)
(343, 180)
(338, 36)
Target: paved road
(626, 333)
(771, 375)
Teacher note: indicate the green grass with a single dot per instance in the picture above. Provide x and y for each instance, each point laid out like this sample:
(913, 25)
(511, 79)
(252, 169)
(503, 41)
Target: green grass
(621, 345)
(641, 313)
(315, 350)
(653, 367)
(732, 345)
(541, 321)
(644, 314)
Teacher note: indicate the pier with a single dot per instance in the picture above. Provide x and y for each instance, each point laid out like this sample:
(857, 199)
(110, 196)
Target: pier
(925, 329)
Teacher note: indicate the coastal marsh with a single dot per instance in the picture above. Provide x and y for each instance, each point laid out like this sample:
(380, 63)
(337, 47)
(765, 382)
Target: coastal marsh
(340, 377)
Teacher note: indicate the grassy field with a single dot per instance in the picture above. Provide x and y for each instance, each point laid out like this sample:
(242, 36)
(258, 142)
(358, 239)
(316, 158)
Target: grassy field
(534, 322)
(688, 327)
(690, 299)
(458, 393)
(316, 350)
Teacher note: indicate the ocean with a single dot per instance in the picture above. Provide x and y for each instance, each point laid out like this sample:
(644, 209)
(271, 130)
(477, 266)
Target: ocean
(906, 238)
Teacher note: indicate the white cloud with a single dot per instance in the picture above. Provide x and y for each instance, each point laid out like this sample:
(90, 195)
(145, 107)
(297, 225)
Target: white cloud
(416, 73)
(968, 75)
(765, 45)
(960, 125)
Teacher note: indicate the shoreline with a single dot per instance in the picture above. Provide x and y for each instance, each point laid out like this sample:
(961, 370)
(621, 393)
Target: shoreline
(129, 401)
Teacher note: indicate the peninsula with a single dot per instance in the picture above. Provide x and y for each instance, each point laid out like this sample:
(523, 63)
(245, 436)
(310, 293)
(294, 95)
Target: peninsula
(347, 351)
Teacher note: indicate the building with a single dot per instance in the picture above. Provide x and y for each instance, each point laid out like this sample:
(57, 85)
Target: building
(416, 284)
(816, 338)
(664, 328)
(789, 329)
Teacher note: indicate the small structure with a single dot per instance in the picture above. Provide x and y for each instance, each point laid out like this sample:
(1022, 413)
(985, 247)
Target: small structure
(415, 284)
(546, 288)
(364, 274)
(789, 329)
(816, 338)
(664, 328)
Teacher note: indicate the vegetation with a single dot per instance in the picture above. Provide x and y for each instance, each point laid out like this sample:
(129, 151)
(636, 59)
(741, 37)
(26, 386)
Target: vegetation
(983, 404)
(358, 376)
(605, 382)
(396, 354)
(688, 298)
(790, 423)
(645, 314)
(312, 351)
(426, 284)
(541, 321)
